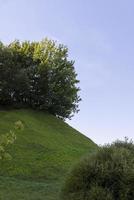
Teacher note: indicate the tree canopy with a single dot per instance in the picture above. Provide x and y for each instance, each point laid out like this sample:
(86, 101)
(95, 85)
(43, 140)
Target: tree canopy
(38, 75)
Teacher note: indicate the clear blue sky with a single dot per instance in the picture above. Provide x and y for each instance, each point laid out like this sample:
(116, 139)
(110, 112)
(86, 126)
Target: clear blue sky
(100, 38)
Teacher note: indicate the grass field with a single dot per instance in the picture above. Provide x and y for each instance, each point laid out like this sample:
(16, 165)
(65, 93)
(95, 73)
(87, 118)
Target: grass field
(42, 154)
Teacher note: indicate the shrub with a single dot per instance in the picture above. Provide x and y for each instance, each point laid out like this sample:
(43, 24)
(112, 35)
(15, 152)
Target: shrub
(107, 174)
(8, 139)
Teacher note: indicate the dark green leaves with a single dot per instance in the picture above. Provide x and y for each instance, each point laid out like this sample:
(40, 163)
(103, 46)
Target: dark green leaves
(38, 75)
(105, 175)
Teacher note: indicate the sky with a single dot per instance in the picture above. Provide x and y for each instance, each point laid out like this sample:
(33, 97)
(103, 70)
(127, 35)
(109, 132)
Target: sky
(100, 38)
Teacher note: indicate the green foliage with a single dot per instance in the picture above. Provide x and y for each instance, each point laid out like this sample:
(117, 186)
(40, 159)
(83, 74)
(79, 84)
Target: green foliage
(38, 75)
(41, 156)
(8, 139)
(19, 125)
(107, 174)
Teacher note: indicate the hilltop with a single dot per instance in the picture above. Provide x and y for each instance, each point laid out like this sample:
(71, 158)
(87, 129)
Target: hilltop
(42, 155)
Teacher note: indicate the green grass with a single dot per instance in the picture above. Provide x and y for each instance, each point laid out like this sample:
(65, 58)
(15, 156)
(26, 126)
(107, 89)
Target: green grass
(42, 155)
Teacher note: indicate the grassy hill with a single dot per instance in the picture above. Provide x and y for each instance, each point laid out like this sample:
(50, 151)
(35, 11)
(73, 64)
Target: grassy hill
(42, 155)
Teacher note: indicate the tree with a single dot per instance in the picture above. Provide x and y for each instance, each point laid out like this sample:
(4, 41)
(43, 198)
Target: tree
(38, 75)
(107, 174)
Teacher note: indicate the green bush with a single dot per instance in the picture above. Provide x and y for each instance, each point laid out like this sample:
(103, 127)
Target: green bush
(105, 175)
(7, 139)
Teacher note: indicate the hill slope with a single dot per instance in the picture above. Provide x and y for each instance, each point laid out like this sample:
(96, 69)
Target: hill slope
(42, 155)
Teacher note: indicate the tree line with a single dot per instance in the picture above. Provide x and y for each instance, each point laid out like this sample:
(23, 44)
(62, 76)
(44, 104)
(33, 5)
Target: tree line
(38, 75)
